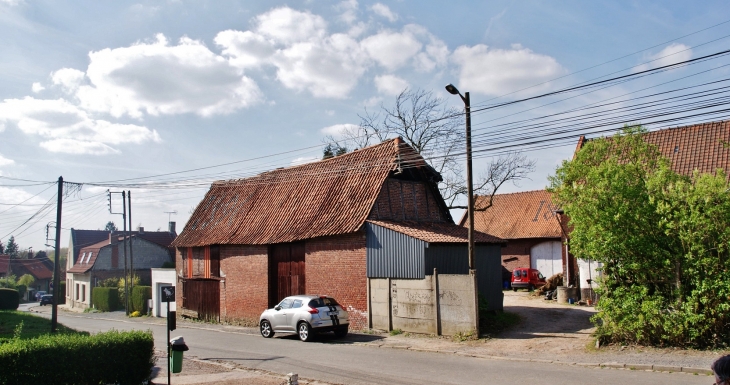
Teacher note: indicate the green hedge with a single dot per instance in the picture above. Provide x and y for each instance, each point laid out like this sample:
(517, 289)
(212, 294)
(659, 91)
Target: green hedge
(105, 298)
(140, 295)
(106, 358)
(21, 290)
(9, 299)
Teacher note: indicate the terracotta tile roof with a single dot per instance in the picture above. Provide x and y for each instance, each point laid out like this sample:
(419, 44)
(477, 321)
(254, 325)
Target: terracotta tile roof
(328, 197)
(82, 265)
(519, 215)
(695, 147)
(4, 264)
(34, 267)
(437, 232)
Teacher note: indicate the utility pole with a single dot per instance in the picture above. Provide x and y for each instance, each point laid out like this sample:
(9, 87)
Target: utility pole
(124, 245)
(124, 242)
(56, 268)
(131, 244)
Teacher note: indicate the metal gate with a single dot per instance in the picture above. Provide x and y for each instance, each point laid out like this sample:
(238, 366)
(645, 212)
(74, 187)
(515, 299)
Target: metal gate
(286, 271)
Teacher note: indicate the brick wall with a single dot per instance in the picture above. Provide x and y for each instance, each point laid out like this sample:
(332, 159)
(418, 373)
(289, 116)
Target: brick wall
(336, 266)
(401, 200)
(244, 290)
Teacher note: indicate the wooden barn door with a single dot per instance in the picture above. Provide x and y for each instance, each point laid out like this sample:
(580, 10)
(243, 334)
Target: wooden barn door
(286, 271)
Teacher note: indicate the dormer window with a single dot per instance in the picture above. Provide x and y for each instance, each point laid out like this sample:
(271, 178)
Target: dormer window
(88, 257)
(81, 260)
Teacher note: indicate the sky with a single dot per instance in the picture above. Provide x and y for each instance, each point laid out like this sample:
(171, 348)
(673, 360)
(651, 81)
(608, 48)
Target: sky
(161, 98)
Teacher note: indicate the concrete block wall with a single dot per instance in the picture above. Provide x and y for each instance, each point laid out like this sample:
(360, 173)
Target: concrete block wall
(336, 266)
(411, 304)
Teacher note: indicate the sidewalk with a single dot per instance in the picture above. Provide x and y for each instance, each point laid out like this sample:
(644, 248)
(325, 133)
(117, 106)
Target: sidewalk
(549, 343)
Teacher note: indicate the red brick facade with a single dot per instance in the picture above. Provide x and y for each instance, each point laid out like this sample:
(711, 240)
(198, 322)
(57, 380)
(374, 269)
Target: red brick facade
(245, 285)
(336, 267)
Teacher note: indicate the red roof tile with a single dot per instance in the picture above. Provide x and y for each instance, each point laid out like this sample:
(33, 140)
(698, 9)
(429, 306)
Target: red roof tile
(694, 147)
(519, 215)
(328, 197)
(34, 267)
(436, 232)
(82, 265)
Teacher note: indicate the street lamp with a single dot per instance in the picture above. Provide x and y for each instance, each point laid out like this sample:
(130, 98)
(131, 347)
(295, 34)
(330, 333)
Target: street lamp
(469, 181)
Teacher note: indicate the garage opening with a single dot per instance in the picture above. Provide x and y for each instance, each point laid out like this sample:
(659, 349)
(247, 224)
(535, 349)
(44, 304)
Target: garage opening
(547, 257)
(286, 271)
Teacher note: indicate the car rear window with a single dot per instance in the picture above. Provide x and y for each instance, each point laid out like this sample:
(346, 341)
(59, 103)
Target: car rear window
(517, 273)
(322, 302)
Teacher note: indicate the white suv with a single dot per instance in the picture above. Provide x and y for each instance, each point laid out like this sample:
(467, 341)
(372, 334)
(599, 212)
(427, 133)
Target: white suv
(305, 315)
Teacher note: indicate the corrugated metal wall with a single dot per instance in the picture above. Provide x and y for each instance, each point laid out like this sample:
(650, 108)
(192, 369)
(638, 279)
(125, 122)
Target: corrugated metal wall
(394, 255)
(453, 259)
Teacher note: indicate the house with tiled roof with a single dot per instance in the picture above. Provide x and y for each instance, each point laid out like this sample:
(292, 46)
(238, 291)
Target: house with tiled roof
(138, 250)
(325, 227)
(36, 268)
(528, 222)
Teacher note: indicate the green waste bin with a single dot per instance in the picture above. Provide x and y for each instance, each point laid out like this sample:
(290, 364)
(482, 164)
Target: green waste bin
(177, 347)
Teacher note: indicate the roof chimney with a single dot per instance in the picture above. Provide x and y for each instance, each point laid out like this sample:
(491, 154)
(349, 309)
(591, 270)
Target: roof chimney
(141, 229)
(171, 228)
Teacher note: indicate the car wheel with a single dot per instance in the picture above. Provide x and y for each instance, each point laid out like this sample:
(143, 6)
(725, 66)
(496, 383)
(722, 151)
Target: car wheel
(514, 289)
(305, 332)
(341, 332)
(531, 288)
(266, 330)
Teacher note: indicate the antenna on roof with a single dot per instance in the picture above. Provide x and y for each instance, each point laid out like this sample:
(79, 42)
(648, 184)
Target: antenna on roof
(169, 215)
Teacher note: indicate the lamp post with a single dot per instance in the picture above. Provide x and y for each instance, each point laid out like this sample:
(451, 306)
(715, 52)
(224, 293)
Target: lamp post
(469, 181)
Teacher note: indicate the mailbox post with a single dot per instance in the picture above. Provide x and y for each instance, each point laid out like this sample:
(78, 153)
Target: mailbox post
(167, 293)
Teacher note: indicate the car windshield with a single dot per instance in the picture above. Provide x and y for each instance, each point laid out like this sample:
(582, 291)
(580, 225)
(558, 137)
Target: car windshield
(322, 302)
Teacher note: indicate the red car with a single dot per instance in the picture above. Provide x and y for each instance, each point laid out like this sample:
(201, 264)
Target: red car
(524, 278)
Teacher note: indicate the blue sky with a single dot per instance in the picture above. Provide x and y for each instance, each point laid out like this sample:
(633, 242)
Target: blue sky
(99, 92)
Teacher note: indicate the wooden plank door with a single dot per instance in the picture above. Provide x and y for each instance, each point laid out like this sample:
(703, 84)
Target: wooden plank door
(286, 271)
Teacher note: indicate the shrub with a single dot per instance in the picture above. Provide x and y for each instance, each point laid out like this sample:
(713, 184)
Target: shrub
(21, 290)
(168, 265)
(105, 298)
(9, 299)
(106, 358)
(140, 295)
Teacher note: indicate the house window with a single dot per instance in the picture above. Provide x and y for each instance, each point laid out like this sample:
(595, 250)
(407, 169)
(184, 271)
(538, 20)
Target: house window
(83, 293)
(77, 291)
(88, 257)
(81, 260)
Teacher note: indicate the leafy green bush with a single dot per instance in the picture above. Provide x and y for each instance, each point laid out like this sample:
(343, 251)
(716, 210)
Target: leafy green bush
(140, 295)
(105, 298)
(663, 240)
(21, 290)
(106, 358)
(9, 299)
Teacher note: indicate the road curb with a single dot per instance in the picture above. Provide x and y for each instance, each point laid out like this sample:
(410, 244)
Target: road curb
(607, 365)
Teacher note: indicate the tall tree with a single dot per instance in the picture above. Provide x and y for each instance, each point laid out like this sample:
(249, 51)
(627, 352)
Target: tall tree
(437, 133)
(2, 248)
(12, 248)
(110, 226)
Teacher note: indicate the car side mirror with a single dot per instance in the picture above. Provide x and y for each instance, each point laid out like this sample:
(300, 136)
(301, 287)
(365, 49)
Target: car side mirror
(277, 308)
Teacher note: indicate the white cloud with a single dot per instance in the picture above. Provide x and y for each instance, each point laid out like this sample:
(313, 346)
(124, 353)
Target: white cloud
(304, 159)
(329, 68)
(245, 49)
(68, 78)
(66, 128)
(11, 2)
(390, 84)
(337, 129)
(500, 71)
(383, 10)
(348, 9)
(290, 26)
(5, 161)
(37, 87)
(390, 49)
(673, 53)
(159, 78)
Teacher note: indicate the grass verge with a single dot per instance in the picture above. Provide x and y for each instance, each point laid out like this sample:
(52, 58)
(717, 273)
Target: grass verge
(32, 326)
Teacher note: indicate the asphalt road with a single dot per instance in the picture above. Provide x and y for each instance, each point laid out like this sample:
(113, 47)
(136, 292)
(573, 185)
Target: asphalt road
(344, 363)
